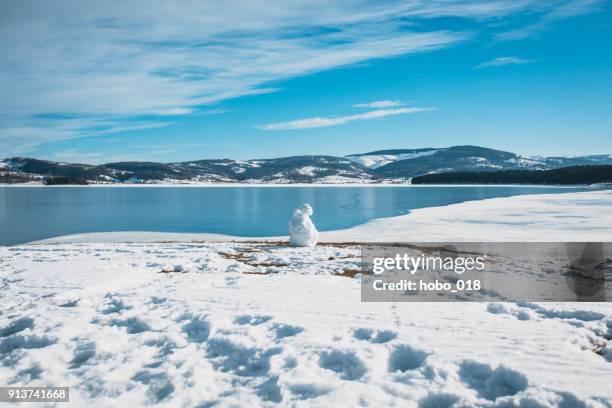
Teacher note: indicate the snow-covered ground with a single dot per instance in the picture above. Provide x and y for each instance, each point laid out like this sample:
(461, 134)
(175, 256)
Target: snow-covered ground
(261, 323)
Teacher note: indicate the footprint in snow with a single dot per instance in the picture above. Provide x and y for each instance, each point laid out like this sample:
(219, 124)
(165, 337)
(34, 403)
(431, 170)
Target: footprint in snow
(307, 391)
(156, 300)
(159, 385)
(252, 320)
(197, 330)
(270, 391)
(404, 358)
(489, 382)
(83, 352)
(19, 341)
(34, 372)
(239, 359)
(345, 363)
(439, 400)
(17, 326)
(164, 345)
(132, 325)
(374, 336)
(286, 330)
(114, 304)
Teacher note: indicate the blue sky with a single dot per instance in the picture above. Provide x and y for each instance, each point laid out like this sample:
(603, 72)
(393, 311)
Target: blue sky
(195, 80)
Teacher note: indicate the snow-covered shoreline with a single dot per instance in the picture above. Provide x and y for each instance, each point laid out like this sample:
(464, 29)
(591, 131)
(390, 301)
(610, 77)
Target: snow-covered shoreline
(582, 216)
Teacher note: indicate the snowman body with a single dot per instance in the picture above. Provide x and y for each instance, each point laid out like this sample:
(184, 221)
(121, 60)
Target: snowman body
(302, 231)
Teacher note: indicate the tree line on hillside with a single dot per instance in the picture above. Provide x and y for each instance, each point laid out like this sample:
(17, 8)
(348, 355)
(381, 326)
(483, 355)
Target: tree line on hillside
(562, 176)
(59, 181)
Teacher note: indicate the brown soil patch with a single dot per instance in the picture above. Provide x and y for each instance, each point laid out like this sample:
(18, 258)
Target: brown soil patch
(349, 273)
(246, 259)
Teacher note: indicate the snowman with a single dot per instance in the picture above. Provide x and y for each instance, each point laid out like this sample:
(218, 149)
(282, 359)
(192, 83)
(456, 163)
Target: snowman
(302, 231)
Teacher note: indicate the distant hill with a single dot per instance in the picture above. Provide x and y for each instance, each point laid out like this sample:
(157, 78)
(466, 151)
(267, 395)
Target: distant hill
(393, 165)
(563, 176)
(296, 169)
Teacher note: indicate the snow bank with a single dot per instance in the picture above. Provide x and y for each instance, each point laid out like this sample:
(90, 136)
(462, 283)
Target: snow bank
(569, 217)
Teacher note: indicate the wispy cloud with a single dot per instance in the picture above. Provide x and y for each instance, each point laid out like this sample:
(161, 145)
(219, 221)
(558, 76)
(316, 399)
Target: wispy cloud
(379, 104)
(558, 11)
(118, 62)
(146, 151)
(502, 61)
(316, 122)
(210, 112)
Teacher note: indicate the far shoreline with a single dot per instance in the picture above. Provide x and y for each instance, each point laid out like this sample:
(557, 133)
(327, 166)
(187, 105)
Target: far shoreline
(296, 185)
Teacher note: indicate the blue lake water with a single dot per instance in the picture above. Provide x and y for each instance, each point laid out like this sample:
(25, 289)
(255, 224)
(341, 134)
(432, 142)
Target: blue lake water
(33, 213)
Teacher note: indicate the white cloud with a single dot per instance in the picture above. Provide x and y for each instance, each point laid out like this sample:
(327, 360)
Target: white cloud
(316, 122)
(379, 104)
(116, 62)
(502, 61)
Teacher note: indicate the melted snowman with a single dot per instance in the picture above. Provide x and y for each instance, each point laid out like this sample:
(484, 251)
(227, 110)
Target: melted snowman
(302, 231)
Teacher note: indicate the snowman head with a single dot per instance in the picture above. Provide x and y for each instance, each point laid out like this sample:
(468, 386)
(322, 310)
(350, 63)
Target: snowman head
(306, 209)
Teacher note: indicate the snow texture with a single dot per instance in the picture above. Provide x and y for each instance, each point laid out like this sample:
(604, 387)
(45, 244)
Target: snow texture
(302, 231)
(265, 324)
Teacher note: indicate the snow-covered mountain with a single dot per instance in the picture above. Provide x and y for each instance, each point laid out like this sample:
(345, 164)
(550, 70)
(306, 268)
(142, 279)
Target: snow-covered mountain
(380, 158)
(415, 162)
(374, 167)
